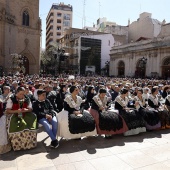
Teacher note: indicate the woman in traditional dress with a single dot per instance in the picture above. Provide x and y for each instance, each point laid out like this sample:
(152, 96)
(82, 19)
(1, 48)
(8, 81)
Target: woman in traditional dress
(167, 106)
(107, 122)
(154, 103)
(22, 124)
(61, 96)
(132, 118)
(46, 116)
(165, 91)
(4, 143)
(89, 97)
(75, 122)
(151, 117)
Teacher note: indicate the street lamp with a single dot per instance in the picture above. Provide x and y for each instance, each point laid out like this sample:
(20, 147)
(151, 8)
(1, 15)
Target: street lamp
(143, 65)
(59, 56)
(107, 63)
(144, 60)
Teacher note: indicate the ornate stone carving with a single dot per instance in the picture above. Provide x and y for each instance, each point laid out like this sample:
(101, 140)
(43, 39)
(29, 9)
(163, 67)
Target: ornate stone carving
(26, 42)
(26, 31)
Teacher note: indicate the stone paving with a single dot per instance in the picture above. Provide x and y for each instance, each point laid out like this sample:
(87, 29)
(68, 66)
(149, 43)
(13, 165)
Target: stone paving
(147, 151)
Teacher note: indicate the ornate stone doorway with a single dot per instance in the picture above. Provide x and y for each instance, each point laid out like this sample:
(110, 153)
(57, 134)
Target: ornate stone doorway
(121, 68)
(140, 69)
(166, 68)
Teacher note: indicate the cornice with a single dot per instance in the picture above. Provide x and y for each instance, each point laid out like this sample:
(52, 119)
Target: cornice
(143, 45)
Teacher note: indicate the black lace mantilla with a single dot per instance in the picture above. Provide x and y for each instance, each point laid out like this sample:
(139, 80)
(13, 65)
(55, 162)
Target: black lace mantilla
(82, 124)
(110, 121)
(151, 117)
(133, 119)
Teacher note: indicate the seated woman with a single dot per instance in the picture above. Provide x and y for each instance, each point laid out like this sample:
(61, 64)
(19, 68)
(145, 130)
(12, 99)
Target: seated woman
(46, 116)
(107, 122)
(154, 103)
(151, 117)
(22, 124)
(132, 118)
(75, 122)
(4, 143)
(165, 91)
(89, 97)
(61, 96)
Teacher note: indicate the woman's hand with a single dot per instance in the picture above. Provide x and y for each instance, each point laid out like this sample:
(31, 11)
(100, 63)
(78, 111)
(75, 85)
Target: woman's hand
(19, 111)
(24, 110)
(101, 108)
(136, 103)
(127, 109)
(77, 112)
(48, 117)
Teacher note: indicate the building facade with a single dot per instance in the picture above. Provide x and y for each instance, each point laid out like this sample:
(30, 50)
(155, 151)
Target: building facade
(58, 20)
(145, 26)
(20, 31)
(96, 50)
(148, 52)
(102, 23)
(147, 58)
(71, 42)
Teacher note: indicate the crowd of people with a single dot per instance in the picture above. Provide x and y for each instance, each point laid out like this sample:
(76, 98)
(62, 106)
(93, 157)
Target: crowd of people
(79, 107)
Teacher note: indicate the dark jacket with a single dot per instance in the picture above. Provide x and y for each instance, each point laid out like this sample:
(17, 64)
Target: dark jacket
(41, 108)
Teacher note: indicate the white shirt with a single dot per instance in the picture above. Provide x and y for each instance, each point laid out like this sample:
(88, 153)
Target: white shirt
(10, 103)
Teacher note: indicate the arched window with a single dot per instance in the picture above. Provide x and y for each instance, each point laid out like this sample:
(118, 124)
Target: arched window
(25, 18)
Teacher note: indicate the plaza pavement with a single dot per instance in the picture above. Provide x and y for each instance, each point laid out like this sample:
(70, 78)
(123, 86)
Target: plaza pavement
(147, 151)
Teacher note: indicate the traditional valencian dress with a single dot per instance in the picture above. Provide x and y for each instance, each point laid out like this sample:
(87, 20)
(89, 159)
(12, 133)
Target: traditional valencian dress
(133, 119)
(4, 143)
(71, 126)
(149, 115)
(22, 128)
(108, 122)
(167, 103)
(164, 116)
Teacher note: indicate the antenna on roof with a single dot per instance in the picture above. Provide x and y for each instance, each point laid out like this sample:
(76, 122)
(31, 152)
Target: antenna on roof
(84, 18)
(99, 8)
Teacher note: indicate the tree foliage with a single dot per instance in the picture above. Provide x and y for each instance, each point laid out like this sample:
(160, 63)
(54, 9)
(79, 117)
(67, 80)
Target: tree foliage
(49, 60)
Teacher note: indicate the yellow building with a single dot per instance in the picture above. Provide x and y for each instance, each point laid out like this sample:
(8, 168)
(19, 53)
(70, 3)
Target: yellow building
(20, 31)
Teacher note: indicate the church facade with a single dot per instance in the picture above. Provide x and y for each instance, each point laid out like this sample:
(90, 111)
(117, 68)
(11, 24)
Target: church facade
(20, 32)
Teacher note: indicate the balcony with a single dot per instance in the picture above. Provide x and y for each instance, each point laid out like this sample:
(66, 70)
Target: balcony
(49, 24)
(48, 33)
(58, 21)
(51, 16)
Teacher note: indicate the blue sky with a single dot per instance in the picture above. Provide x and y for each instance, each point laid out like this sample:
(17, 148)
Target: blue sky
(118, 11)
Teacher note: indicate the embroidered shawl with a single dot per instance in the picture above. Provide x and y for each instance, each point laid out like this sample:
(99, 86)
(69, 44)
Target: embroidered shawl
(69, 100)
(154, 99)
(99, 102)
(121, 101)
(141, 102)
(168, 98)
